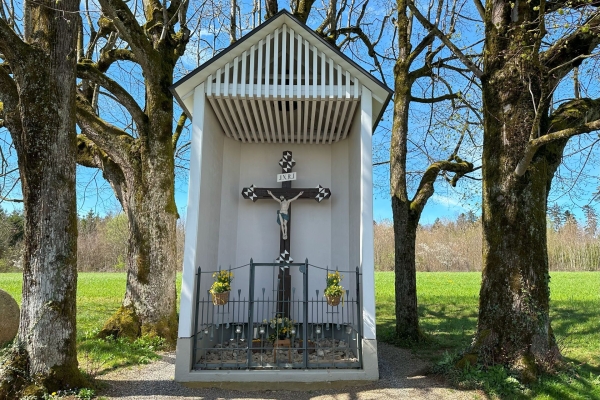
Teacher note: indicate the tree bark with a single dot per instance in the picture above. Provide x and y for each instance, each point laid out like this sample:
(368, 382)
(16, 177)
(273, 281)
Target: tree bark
(43, 68)
(271, 8)
(407, 212)
(405, 236)
(514, 322)
(151, 257)
(140, 170)
(405, 222)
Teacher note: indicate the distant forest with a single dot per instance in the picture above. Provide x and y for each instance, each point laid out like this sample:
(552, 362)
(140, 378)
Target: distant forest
(101, 244)
(446, 245)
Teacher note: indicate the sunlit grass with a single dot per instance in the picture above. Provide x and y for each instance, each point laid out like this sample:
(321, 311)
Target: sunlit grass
(448, 306)
(99, 295)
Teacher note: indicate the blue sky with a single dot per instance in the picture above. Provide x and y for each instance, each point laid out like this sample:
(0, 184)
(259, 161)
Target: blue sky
(94, 194)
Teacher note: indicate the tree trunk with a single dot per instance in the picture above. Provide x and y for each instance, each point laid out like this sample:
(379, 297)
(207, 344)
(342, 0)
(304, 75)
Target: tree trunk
(514, 323)
(405, 221)
(44, 74)
(405, 236)
(147, 195)
(151, 261)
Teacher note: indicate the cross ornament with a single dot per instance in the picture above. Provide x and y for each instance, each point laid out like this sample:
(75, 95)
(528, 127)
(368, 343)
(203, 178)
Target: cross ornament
(289, 194)
(285, 196)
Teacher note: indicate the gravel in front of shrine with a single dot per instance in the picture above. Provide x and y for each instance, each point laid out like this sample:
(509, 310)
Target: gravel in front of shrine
(402, 375)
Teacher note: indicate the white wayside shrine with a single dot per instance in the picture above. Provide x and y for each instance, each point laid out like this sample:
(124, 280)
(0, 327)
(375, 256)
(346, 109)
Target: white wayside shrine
(281, 121)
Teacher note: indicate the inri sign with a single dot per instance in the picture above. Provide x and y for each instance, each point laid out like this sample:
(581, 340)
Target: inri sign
(291, 176)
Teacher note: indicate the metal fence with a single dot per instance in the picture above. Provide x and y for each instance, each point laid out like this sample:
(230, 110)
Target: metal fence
(282, 324)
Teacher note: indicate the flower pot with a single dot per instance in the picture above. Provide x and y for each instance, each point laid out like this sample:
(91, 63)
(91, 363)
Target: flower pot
(333, 300)
(220, 299)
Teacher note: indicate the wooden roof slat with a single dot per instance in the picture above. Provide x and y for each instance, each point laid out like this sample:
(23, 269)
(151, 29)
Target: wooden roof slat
(227, 117)
(333, 121)
(343, 117)
(349, 118)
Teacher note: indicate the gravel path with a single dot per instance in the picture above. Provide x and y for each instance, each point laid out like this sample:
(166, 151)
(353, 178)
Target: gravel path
(401, 377)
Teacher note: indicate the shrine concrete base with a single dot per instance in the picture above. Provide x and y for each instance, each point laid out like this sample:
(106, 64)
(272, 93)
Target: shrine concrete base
(290, 379)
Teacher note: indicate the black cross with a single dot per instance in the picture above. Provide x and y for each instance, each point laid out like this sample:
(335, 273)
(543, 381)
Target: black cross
(253, 193)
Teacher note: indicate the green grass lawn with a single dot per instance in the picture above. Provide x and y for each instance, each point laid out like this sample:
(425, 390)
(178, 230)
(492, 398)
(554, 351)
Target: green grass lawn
(448, 314)
(98, 296)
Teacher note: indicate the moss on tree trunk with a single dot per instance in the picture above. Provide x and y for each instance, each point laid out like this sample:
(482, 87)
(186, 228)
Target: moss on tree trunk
(514, 322)
(405, 236)
(43, 69)
(144, 183)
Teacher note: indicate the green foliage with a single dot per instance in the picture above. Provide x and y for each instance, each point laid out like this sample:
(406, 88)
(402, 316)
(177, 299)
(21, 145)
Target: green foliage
(334, 289)
(222, 282)
(496, 380)
(448, 313)
(122, 324)
(281, 326)
(100, 355)
(99, 295)
(83, 394)
(86, 394)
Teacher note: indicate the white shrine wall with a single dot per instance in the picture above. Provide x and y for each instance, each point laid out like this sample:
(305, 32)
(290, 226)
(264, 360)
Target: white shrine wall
(227, 230)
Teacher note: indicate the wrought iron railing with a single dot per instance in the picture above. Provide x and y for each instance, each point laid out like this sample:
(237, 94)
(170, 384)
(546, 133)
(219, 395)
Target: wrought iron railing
(247, 332)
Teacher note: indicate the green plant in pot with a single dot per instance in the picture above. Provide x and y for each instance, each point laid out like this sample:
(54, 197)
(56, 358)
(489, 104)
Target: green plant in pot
(221, 287)
(334, 292)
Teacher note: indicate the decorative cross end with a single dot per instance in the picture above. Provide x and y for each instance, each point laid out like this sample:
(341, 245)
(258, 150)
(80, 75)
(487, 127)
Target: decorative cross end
(287, 162)
(324, 193)
(248, 193)
(285, 257)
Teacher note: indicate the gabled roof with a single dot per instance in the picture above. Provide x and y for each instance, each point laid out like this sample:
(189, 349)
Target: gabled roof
(337, 74)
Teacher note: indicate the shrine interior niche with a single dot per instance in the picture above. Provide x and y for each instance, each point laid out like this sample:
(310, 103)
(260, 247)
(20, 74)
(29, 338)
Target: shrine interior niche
(278, 274)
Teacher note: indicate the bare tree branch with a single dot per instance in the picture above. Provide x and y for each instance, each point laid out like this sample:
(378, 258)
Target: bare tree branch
(450, 96)
(431, 28)
(130, 30)
(107, 58)
(569, 120)
(89, 71)
(111, 139)
(179, 129)
(426, 187)
(569, 51)
(11, 44)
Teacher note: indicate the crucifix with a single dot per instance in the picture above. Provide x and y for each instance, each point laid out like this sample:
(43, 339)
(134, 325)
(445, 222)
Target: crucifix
(284, 196)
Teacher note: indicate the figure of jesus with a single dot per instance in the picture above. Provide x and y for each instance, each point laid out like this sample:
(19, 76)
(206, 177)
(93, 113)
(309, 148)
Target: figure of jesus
(282, 214)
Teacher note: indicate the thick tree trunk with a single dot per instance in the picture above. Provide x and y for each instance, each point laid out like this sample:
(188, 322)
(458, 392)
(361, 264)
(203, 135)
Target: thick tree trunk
(148, 199)
(514, 323)
(149, 305)
(405, 221)
(152, 262)
(45, 143)
(405, 236)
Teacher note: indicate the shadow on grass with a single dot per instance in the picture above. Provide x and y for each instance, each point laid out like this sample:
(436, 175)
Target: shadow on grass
(576, 382)
(443, 327)
(449, 328)
(98, 356)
